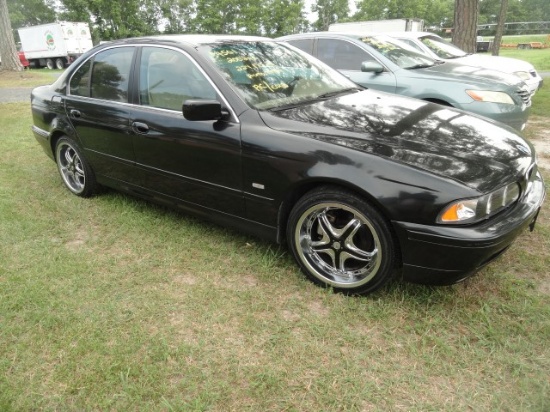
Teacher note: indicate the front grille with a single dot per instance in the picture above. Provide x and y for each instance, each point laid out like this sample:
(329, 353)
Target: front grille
(525, 96)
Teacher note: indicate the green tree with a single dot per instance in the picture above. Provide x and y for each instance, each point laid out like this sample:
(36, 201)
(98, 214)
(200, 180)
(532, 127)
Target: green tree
(500, 27)
(215, 16)
(329, 12)
(176, 15)
(465, 24)
(434, 12)
(539, 10)
(31, 12)
(115, 19)
(8, 51)
(284, 17)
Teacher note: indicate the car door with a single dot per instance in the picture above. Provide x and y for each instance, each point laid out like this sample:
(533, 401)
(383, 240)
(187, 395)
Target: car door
(97, 107)
(197, 162)
(347, 58)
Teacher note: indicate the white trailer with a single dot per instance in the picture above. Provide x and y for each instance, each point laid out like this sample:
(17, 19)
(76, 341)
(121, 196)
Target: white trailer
(378, 26)
(55, 45)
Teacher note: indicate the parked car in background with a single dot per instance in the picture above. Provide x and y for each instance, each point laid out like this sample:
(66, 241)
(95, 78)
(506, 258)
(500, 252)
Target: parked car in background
(438, 48)
(383, 63)
(254, 134)
(22, 59)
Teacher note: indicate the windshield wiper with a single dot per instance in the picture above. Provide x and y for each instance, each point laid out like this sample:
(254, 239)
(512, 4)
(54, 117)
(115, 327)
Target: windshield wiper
(337, 92)
(314, 99)
(420, 66)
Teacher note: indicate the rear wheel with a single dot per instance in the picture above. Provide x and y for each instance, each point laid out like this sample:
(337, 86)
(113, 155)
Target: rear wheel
(341, 241)
(60, 63)
(50, 64)
(74, 169)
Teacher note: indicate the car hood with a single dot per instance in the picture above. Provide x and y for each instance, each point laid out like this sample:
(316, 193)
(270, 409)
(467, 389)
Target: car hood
(477, 152)
(483, 77)
(505, 64)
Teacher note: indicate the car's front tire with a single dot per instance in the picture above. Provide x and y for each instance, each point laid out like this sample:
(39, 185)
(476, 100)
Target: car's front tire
(341, 241)
(74, 169)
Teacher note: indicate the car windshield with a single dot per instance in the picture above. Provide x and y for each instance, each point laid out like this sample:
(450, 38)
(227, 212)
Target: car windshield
(398, 52)
(270, 75)
(442, 48)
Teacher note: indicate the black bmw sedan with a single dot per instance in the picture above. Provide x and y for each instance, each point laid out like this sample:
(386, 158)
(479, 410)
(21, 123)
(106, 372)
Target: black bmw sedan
(256, 135)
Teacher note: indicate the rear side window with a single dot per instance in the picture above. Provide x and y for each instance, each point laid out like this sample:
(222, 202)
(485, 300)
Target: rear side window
(111, 73)
(341, 55)
(303, 44)
(105, 76)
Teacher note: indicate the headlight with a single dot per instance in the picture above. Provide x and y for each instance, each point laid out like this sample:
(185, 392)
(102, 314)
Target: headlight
(523, 75)
(473, 210)
(488, 96)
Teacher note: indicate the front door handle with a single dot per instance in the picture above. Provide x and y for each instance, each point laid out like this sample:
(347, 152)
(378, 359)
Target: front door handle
(75, 113)
(140, 128)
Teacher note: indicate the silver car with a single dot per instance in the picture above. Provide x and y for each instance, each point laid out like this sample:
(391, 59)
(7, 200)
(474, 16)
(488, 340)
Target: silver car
(437, 48)
(383, 63)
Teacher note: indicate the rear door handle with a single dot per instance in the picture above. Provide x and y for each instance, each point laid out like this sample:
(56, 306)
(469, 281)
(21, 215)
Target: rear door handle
(75, 113)
(140, 128)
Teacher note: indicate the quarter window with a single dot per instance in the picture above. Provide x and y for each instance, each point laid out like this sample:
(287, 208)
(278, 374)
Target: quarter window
(80, 82)
(168, 77)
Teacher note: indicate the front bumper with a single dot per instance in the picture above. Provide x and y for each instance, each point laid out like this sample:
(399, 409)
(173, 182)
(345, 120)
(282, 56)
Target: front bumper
(443, 255)
(510, 114)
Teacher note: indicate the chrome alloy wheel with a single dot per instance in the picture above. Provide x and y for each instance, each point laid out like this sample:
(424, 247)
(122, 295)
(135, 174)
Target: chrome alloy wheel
(338, 244)
(71, 167)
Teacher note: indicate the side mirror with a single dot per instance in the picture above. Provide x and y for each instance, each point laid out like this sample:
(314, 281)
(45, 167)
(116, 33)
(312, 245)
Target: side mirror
(199, 110)
(372, 67)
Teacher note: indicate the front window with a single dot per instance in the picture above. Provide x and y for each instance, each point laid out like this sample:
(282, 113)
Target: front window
(168, 77)
(268, 75)
(441, 48)
(398, 52)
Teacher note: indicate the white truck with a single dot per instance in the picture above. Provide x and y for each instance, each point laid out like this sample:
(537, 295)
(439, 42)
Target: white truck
(55, 45)
(378, 26)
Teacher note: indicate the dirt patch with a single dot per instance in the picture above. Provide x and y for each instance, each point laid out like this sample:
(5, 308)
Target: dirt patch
(538, 133)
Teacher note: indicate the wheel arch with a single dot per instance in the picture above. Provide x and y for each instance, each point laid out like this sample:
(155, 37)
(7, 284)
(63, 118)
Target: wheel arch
(299, 191)
(54, 138)
(438, 101)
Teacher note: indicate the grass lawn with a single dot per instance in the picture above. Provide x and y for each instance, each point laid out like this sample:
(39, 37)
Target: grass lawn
(28, 78)
(113, 303)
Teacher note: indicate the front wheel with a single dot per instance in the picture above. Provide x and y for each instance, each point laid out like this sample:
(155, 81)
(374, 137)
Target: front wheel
(341, 241)
(74, 168)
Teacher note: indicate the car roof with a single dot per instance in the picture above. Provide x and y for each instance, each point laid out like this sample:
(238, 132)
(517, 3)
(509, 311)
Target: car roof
(331, 34)
(193, 39)
(411, 34)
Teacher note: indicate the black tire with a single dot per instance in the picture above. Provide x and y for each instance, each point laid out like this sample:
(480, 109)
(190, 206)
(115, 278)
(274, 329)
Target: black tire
(60, 63)
(50, 64)
(341, 241)
(74, 169)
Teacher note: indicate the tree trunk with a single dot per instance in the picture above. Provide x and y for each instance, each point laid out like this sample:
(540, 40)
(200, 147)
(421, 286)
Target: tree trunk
(500, 27)
(8, 51)
(465, 24)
